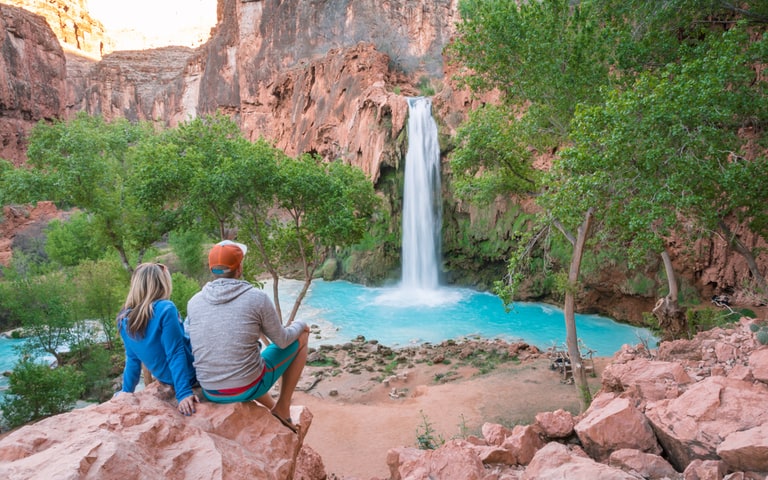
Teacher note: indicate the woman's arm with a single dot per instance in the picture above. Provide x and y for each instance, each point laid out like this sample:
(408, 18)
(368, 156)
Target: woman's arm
(132, 370)
(177, 351)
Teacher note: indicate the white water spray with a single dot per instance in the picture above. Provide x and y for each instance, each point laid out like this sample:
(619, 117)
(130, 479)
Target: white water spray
(422, 213)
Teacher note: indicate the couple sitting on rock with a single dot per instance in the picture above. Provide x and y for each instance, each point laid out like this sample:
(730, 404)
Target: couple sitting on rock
(221, 347)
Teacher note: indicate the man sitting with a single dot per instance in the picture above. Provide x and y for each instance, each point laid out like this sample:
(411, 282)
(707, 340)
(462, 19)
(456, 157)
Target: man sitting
(225, 321)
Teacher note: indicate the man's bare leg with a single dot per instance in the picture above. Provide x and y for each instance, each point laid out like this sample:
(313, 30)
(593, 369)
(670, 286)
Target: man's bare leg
(290, 379)
(267, 401)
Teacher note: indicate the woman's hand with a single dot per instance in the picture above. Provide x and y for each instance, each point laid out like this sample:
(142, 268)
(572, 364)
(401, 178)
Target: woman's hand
(187, 405)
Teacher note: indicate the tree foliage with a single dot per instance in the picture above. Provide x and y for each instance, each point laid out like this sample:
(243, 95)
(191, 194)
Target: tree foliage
(37, 391)
(74, 240)
(544, 56)
(650, 100)
(320, 206)
(85, 163)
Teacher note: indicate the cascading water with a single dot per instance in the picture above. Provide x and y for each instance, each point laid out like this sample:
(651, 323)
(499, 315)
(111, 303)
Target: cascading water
(422, 221)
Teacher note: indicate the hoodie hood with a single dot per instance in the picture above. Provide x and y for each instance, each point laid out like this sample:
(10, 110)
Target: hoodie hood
(224, 290)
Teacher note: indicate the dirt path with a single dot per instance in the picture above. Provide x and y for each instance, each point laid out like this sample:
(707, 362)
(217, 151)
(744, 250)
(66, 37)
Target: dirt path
(354, 429)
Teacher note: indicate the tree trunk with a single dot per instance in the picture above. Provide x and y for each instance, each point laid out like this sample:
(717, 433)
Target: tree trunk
(667, 311)
(124, 259)
(569, 309)
(737, 245)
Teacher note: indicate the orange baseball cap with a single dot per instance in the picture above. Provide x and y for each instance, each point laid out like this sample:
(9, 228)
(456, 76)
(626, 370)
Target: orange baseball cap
(226, 256)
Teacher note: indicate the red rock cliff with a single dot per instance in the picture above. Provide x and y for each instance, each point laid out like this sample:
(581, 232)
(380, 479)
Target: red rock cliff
(327, 77)
(32, 78)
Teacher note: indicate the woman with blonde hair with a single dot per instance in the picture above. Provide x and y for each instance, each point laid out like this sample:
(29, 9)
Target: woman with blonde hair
(151, 329)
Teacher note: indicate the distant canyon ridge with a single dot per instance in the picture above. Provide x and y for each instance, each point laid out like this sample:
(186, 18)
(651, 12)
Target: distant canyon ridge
(329, 77)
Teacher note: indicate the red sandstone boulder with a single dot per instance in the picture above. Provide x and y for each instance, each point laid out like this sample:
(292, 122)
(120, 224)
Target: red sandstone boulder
(705, 470)
(455, 459)
(142, 435)
(558, 461)
(645, 379)
(615, 425)
(758, 364)
(694, 425)
(494, 433)
(647, 465)
(517, 448)
(746, 450)
(557, 424)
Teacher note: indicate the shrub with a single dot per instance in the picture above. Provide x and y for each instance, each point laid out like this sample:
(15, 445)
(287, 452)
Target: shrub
(189, 249)
(72, 241)
(99, 368)
(102, 287)
(38, 391)
(184, 288)
(426, 437)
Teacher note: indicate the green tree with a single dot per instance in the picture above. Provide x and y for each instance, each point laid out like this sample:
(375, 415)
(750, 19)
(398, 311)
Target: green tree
(188, 245)
(71, 241)
(45, 307)
(101, 288)
(194, 172)
(554, 58)
(316, 207)
(37, 390)
(669, 148)
(183, 289)
(85, 163)
(545, 58)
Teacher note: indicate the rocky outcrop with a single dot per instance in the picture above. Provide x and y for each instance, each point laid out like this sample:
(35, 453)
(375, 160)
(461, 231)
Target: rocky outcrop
(72, 24)
(32, 78)
(707, 417)
(142, 435)
(325, 77)
(149, 85)
(22, 225)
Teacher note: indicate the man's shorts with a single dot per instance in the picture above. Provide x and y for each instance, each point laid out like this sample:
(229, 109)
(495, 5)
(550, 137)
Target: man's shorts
(276, 361)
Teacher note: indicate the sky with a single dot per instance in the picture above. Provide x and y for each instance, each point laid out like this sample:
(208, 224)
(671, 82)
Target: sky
(156, 22)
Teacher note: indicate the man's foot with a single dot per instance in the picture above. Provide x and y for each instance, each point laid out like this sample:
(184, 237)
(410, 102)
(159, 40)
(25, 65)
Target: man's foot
(287, 422)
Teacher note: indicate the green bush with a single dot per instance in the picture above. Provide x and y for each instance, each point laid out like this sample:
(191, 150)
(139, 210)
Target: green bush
(709, 318)
(639, 285)
(38, 391)
(190, 251)
(99, 368)
(184, 288)
(101, 289)
(72, 241)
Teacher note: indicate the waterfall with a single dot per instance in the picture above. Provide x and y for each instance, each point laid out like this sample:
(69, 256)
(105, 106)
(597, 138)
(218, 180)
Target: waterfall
(422, 216)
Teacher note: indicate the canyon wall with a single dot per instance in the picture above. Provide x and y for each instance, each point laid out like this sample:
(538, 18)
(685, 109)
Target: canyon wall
(72, 24)
(329, 77)
(32, 79)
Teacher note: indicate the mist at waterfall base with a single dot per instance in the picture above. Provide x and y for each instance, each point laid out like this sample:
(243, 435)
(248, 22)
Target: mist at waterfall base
(419, 309)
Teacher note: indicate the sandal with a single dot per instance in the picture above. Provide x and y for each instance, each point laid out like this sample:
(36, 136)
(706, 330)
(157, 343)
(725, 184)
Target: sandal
(287, 422)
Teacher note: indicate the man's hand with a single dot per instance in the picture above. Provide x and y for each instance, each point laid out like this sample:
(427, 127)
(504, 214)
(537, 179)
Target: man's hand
(187, 405)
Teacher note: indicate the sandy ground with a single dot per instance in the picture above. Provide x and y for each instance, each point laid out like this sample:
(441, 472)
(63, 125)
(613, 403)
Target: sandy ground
(355, 426)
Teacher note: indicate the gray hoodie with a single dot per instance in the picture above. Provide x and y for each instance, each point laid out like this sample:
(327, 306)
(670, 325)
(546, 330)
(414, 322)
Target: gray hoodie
(225, 321)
